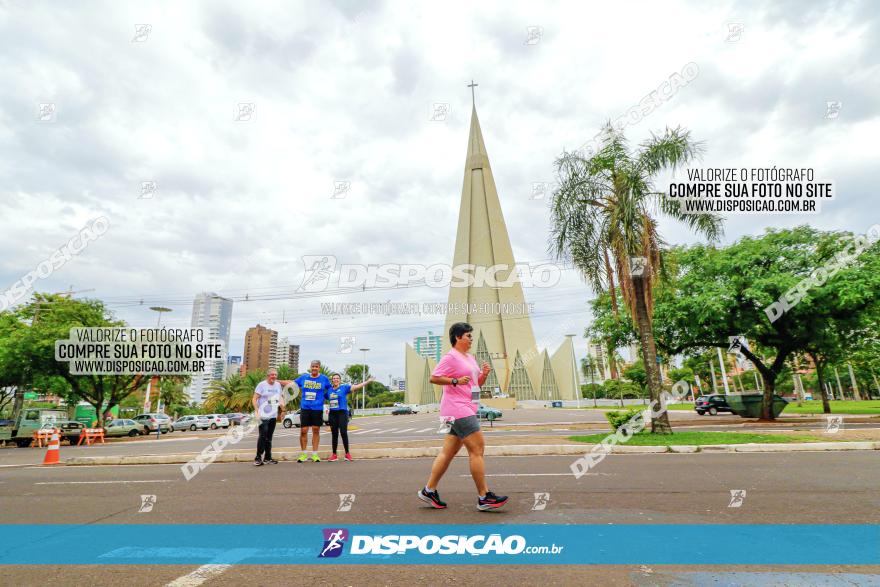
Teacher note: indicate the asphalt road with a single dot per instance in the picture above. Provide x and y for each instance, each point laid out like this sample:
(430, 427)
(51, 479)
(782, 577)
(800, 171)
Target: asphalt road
(819, 488)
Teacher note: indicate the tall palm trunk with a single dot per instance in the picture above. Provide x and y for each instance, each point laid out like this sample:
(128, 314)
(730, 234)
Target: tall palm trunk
(660, 424)
(612, 364)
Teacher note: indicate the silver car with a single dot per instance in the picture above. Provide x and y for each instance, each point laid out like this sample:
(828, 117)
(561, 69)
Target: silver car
(154, 420)
(192, 423)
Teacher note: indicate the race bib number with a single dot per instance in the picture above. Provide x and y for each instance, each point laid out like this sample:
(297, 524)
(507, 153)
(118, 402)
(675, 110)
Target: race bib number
(334, 403)
(310, 396)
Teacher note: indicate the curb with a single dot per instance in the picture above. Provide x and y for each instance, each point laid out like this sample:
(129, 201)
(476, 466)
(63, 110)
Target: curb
(498, 451)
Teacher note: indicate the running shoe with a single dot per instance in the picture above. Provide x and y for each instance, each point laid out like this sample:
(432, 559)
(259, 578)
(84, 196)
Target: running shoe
(333, 458)
(348, 457)
(491, 501)
(271, 462)
(258, 463)
(316, 458)
(432, 498)
(302, 458)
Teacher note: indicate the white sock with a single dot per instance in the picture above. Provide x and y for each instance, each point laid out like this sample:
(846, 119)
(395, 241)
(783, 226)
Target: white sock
(482, 497)
(428, 489)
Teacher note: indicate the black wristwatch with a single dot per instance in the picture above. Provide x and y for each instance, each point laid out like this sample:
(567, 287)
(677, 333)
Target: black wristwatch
(454, 382)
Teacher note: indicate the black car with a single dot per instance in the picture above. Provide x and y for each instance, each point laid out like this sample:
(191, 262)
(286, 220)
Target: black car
(712, 404)
(399, 411)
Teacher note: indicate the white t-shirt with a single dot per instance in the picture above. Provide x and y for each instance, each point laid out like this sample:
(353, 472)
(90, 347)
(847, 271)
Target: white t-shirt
(270, 398)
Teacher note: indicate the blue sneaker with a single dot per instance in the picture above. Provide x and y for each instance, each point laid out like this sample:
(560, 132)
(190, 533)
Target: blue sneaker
(491, 501)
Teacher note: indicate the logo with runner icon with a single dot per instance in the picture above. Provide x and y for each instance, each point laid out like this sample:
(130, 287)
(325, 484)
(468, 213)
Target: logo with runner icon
(334, 540)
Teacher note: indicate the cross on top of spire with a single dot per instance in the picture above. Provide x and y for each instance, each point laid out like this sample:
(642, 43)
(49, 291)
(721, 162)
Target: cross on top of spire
(472, 85)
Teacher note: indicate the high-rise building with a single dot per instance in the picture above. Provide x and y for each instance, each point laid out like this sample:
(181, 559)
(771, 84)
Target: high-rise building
(233, 365)
(287, 354)
(428, 346)
(503, 335)
(213, 312)
(260, 349)
(599, 355)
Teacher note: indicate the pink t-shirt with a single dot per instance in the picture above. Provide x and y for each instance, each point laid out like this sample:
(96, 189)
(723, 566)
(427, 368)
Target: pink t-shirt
(457, 401)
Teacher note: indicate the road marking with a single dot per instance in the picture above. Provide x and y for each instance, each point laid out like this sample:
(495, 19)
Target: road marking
(366, 431)
(199, 576)
(426, 430)
(102, 482)
(404, 430)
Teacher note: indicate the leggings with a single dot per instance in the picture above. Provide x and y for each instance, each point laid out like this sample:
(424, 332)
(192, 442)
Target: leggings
(339, 425)
(264, 443)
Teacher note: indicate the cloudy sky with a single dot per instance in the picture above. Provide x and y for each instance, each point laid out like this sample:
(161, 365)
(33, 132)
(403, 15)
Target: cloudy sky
(346, 92)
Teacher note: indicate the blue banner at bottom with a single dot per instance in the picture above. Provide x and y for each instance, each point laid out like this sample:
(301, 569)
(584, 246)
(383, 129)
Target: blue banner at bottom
(298, 544)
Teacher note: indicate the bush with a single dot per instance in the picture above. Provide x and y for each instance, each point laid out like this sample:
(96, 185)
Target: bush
(618, 418)
(590, 390)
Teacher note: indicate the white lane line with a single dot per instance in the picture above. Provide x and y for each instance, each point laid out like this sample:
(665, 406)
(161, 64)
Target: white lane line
(389, 430)
(431, 429)
(404, 430)
(199, 576)
(102, 482)
(366, 431)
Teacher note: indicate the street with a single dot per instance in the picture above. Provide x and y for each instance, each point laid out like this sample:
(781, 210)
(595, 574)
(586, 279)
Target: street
(780, 488)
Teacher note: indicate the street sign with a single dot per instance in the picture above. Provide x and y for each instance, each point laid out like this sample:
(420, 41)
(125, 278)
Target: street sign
(30, 395)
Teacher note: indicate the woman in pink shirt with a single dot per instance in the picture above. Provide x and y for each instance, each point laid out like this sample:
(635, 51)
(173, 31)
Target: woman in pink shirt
(461, 379)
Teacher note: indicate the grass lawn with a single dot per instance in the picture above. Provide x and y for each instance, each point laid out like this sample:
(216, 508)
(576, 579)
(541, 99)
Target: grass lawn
(648, 439)
(867, 407)
(837, 407)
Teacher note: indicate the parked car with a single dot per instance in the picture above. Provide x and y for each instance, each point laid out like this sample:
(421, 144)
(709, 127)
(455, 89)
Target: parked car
(712, 404)
(218, 421)
(292, 419)
(192, 423)
(237, 418)
(154, 420)
(488, 413)
(70, 429)
(124, 427)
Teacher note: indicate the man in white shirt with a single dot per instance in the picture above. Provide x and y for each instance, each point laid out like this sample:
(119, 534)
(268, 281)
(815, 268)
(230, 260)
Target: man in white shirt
(268, 408)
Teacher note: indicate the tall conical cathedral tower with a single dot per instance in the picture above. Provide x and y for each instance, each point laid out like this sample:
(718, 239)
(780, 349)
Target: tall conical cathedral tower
(503, 337)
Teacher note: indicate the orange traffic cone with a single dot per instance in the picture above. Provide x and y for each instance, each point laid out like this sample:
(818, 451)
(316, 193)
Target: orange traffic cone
(53, 451)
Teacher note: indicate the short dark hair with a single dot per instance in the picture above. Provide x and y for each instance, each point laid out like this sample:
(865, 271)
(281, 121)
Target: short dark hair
(458, 330)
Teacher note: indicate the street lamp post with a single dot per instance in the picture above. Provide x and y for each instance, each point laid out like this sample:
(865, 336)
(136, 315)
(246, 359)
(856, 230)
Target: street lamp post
(364, 381)
(577, 387)
(154, 380)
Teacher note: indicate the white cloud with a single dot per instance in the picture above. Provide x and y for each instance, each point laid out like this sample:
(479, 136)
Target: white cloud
(342, 94)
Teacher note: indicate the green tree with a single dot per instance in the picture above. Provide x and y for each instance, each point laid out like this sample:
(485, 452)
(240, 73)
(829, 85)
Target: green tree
(604, 215)
(610, 326)
(27, 351)
(723, 292)
(637, 374)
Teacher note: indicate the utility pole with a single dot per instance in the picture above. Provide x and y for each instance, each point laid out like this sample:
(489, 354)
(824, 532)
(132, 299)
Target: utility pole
(839, 387)
(723, 371)
(577, 386)
(364, 380)
(855, 385)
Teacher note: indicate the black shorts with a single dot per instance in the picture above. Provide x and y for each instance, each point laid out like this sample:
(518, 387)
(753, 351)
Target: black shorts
(311, 418)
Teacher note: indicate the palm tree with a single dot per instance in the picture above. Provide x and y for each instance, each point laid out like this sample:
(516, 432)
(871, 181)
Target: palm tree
(232, 395)
(172, 390)
(603, 216)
